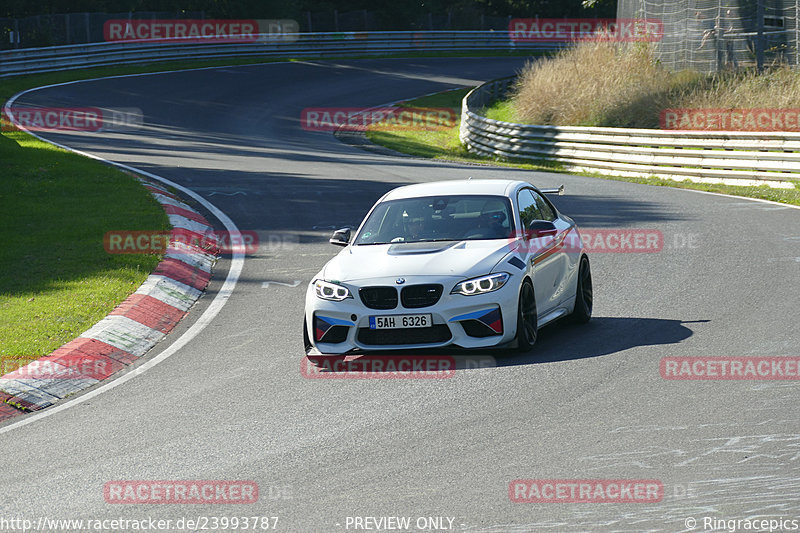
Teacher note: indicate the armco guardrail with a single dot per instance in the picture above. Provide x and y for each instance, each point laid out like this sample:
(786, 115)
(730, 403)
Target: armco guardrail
(31, 60)
(764, 156)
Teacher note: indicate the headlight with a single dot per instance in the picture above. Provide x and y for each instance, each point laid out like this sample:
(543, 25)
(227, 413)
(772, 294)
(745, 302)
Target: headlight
(481, 285)
(331, 291)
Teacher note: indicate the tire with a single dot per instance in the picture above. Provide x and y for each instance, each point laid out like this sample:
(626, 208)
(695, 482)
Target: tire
(527, 320)
(584, 297)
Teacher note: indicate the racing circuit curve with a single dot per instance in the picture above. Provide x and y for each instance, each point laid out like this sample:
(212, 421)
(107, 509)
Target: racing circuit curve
(587, 403)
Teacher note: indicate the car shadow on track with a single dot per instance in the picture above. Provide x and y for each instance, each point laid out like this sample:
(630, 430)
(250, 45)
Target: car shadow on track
(601, 336)
(561, 341)
(605, 211)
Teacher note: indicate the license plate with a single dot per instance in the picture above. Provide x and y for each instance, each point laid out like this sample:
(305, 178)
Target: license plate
(400, 321)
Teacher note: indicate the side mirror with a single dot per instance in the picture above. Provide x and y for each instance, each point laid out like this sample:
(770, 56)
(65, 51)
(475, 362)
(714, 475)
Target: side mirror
(541, 228)
(557, 191)
(340, 237)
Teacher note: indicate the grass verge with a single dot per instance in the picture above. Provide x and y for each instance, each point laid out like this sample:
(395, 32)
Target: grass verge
(443, 144)
(56, 279)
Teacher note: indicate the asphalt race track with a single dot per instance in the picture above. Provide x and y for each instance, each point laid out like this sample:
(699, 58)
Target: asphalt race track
(588, 402)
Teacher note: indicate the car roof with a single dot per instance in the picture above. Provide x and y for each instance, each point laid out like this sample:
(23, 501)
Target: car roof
(498, 187)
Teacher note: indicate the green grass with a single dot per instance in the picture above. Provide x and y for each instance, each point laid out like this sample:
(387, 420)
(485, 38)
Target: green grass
(440, 143)
(500, 110)
(443, 144)
(431, 143)
(763, 192)
(56, 279)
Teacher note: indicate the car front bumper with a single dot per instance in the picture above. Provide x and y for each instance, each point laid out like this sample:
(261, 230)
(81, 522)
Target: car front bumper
(476, 321)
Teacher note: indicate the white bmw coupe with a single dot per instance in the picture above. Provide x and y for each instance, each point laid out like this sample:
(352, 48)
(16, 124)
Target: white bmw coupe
(466, 263)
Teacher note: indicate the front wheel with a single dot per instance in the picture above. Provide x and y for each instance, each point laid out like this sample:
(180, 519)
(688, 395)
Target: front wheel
(584, 296)
(527, 320)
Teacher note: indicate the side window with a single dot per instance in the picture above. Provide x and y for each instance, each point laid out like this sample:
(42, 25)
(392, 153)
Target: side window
(544, 207)
(528, 209)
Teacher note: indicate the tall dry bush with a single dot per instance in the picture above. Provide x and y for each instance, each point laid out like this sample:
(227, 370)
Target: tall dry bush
(594, 83)
(777, 87)
(610, 84)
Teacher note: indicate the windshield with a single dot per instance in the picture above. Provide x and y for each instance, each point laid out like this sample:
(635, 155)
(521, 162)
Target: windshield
(438, 218)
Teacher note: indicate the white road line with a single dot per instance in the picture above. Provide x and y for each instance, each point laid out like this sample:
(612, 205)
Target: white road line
(790, 206)
(237, 262)
(266, 284)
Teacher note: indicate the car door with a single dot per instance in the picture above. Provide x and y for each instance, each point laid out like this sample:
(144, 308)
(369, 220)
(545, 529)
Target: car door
(539, 253)
(563, 258)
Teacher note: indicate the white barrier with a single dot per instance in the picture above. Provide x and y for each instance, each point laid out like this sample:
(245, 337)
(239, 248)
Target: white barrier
(32, 60)
(738, 157)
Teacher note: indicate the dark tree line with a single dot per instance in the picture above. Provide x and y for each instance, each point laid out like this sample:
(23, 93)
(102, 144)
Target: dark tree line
(394, 12)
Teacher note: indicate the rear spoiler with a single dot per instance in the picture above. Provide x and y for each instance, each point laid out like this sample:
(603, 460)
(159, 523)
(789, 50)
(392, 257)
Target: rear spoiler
(559, 191)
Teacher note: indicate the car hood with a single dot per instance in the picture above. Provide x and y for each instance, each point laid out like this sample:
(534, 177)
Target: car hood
(452, 258)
